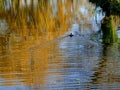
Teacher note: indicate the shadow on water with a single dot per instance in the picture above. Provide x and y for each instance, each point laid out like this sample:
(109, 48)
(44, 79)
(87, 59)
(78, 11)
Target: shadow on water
(107, 74)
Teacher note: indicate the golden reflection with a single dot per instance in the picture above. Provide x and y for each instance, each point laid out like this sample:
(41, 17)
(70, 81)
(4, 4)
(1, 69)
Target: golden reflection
(25, 67)
(48, 19)
(28, 68)
(30, 24)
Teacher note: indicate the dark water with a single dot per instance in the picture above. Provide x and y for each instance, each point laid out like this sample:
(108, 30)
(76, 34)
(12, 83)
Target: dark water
(38, 54)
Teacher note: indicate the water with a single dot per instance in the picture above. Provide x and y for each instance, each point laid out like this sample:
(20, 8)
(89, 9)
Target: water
(39, 55)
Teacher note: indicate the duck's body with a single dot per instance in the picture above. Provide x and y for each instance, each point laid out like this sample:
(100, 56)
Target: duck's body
(71, 35)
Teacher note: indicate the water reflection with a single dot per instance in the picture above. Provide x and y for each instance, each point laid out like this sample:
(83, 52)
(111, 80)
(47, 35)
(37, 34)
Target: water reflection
(106, 76)
(25, 21)
(37, 54)
(23, 69)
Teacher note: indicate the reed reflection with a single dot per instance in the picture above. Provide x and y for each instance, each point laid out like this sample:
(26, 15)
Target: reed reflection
(30, 24)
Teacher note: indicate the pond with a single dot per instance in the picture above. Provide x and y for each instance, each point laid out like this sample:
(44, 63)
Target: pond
(37, 53)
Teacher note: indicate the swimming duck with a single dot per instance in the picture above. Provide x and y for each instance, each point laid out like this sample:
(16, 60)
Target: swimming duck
(71, 35)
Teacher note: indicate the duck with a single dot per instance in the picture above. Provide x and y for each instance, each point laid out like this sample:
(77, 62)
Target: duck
(71, 35)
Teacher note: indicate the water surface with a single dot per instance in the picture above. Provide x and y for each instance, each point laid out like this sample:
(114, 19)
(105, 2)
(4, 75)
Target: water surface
(36, 52)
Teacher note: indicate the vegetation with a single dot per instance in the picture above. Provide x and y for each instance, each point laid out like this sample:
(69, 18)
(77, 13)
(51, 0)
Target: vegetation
(27, 21)
(109, 23)
(110, 7)
(109, 31)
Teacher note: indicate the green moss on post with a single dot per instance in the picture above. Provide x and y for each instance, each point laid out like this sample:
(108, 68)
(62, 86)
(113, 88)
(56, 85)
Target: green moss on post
(109, 30)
